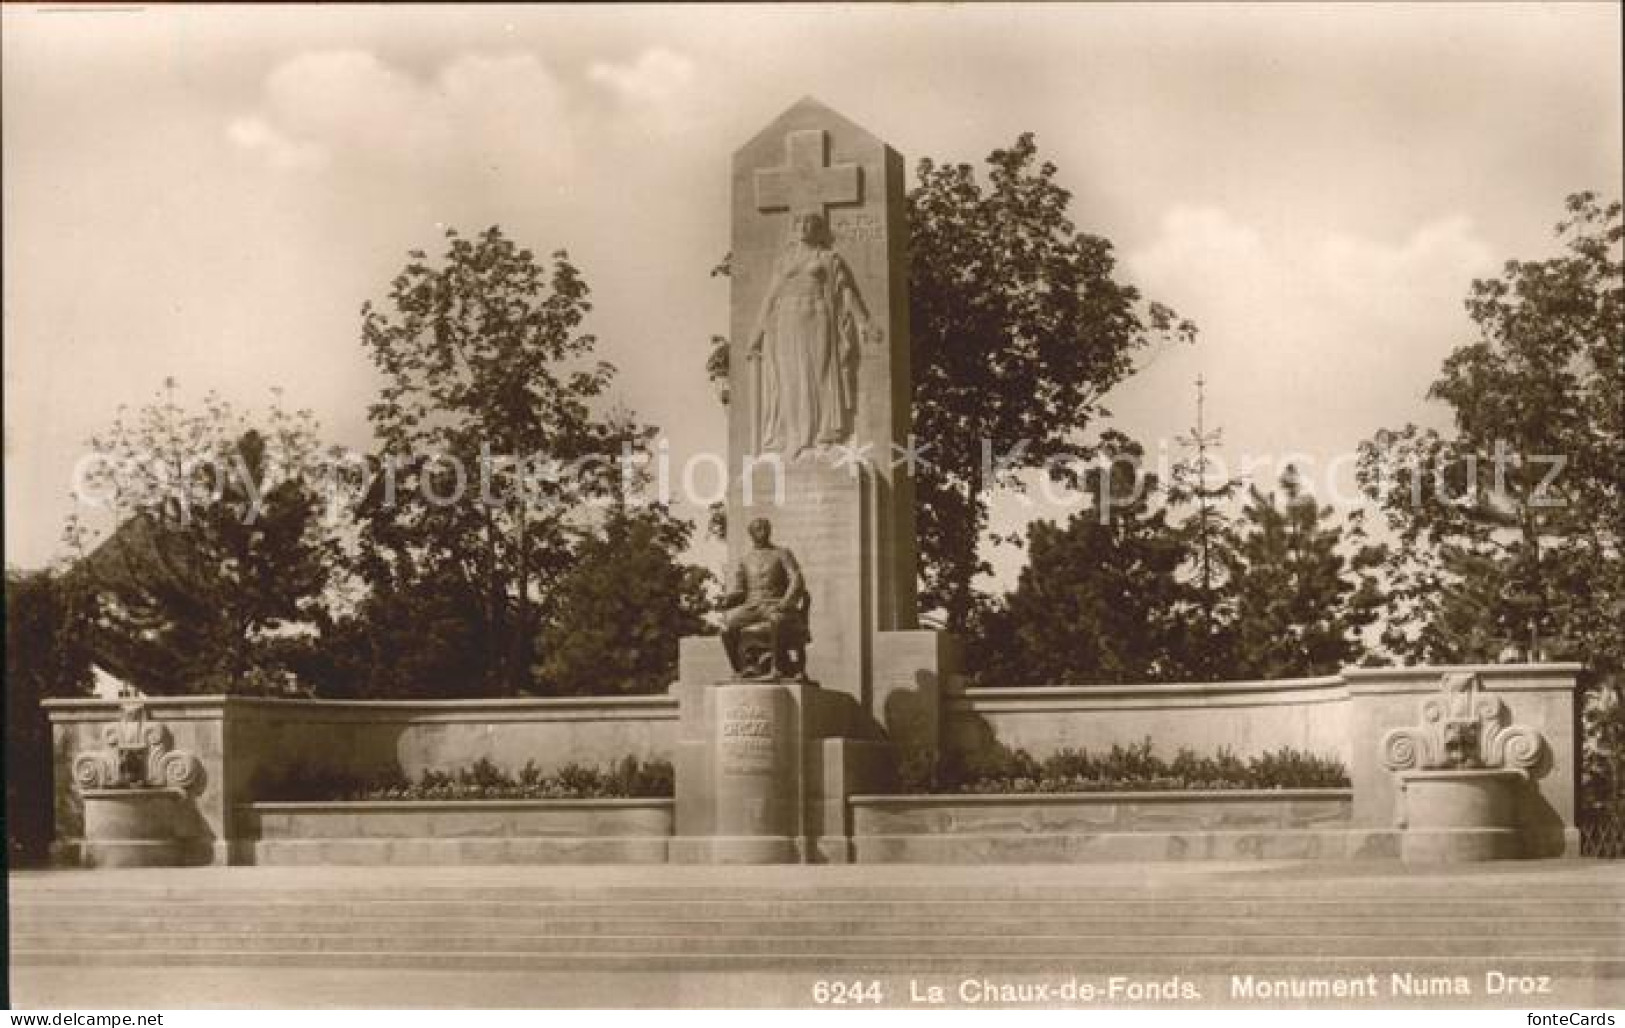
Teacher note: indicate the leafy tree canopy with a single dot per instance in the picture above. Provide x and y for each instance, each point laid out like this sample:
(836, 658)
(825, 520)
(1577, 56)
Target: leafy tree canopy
(1020, 327)
(488, 426)
(1116, 595)
(623, 607)
(1510, 527)
(218, 547)
(1099, 600)
(47, 618)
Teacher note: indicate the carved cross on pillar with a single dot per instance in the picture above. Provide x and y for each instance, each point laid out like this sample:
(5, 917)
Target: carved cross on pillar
(805, 184)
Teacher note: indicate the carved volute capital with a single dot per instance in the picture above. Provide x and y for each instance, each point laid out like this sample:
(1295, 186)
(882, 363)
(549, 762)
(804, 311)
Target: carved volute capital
(1462, 727)
(136, 754)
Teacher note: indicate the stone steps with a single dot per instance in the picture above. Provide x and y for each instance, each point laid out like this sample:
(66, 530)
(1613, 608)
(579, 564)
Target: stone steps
(780, 943)
(842, 910)
(1562, 921)
(48, 922)
(839, 962)
(379, 885)
(1439, 892)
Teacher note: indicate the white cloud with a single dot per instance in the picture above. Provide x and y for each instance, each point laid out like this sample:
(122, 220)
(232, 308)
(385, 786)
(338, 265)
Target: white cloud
(255, 134)
(346, 97)
(657, 89)
(1430, 267)
(502, 113)
(1314, 341)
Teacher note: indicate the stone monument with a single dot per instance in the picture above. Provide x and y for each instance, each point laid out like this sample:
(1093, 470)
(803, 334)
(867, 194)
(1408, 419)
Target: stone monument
(818, 444)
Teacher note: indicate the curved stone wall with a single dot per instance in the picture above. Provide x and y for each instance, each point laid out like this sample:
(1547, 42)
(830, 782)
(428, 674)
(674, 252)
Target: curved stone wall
(258, 749)
(1308, 714)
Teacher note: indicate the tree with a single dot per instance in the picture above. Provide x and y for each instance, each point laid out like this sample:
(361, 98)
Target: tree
(417, 642)
(218, 547)
(1019, 329)
(1206, 530)
(1300, 604)
(1510, 528)
(489, 383)
(623, 607)
(47, 617)
(1100, 599)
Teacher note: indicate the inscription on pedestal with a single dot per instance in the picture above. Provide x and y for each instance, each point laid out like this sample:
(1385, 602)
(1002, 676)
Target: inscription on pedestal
(747, 746)
(756, 788)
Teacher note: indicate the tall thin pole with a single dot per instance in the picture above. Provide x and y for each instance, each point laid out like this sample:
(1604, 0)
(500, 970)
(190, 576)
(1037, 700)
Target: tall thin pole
(1203, 509)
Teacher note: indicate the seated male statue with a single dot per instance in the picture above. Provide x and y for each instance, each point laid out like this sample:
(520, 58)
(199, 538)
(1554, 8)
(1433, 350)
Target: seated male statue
(766, 595)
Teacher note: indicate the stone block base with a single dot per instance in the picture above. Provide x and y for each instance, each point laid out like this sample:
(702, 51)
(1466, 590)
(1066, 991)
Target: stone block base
(135, 828)
(132, 853)
(1128, 847)
(764, 770)
(1458, 845)
(750, 849)
(434, 852)
(1460, 815)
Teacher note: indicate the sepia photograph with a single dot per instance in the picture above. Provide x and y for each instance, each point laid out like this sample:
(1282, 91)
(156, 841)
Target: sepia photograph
(992, 507)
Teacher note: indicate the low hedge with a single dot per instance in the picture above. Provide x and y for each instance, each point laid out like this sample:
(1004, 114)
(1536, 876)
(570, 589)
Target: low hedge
(1133, 768)
(628, 778)
(999, 770)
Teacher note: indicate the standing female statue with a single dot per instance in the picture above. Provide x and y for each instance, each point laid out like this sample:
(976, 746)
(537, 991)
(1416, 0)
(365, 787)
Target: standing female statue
(807, 337)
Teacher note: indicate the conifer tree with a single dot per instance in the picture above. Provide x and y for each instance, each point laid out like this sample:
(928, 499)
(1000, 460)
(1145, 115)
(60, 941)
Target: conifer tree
(1301, 604)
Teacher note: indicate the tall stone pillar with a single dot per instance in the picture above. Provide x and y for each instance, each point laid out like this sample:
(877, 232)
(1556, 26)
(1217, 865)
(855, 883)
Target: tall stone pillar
(811, 160)
(819, 444)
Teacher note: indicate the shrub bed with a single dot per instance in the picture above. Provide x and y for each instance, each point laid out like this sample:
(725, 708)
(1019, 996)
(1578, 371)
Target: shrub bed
(628, 778)
(1135, 768)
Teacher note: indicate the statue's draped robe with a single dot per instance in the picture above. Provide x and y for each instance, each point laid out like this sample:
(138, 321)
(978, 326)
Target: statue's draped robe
(810, 324)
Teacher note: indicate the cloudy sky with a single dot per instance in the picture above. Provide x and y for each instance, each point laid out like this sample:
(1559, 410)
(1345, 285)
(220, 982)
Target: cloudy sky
(211, 194)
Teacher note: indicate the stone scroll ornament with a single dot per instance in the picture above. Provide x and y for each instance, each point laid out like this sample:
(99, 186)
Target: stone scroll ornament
(1463, 728)
(136, 755)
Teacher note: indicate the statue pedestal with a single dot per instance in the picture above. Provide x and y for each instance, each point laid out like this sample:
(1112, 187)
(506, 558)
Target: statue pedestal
(763, 772)
(755, 766)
